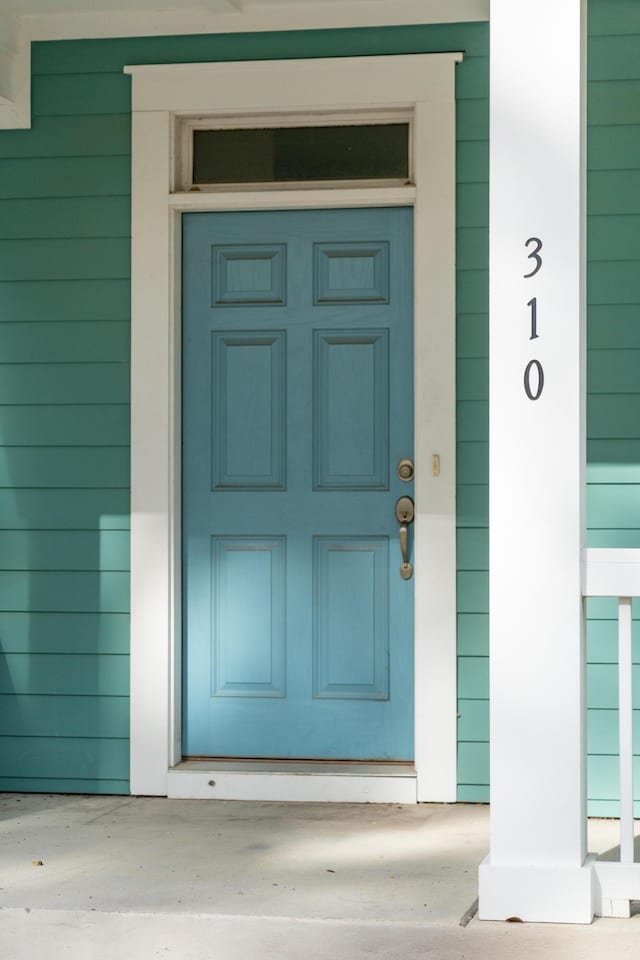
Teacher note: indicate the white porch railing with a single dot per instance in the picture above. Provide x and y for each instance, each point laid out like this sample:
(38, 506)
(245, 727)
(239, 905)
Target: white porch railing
(616, 573)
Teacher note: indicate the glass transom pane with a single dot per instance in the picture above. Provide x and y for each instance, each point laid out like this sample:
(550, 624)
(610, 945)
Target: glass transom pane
(279, 154)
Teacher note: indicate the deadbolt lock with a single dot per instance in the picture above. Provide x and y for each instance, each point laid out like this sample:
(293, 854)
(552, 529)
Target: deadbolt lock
(406, 469)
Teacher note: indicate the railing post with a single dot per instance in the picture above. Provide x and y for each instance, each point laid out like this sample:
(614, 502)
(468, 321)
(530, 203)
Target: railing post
(625, 726)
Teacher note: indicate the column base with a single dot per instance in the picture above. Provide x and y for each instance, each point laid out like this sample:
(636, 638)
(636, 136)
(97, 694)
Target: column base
(537, 894)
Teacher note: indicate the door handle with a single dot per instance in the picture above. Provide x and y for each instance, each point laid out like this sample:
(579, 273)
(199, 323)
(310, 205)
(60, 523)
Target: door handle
(405, 512)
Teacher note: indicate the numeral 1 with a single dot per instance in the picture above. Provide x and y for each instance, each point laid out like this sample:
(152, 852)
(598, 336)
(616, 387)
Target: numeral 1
(533, 303)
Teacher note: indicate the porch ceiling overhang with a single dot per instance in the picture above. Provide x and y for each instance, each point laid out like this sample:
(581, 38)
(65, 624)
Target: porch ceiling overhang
(24, 21)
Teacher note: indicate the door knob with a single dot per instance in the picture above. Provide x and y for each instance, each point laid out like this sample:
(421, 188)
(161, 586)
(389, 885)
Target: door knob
(405, 512)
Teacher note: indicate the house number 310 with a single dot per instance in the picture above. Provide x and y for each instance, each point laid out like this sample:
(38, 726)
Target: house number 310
(533, 372)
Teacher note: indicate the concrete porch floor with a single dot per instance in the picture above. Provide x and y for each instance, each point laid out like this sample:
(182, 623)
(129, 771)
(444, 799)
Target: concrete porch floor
(194, 879)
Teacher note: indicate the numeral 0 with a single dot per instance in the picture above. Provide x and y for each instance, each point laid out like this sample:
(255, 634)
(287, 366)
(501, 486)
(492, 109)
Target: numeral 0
(527, 379)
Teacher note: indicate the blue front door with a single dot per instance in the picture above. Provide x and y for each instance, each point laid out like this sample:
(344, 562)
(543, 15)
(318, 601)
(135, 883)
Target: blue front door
(297, 407)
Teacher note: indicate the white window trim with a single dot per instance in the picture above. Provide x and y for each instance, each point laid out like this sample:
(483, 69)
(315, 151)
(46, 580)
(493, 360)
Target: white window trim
(423, 84)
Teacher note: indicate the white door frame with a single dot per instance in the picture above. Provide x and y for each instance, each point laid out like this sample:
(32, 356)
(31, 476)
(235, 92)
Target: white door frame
(423, 84)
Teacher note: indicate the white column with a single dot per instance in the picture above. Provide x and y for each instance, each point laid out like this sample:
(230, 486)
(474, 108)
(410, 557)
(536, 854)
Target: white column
(537, 868)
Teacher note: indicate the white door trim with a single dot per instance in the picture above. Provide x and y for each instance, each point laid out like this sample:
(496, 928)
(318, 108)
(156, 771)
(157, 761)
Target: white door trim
(423, 84)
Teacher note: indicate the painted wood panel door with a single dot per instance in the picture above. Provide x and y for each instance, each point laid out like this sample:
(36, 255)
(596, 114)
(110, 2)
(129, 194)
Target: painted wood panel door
(297, 408)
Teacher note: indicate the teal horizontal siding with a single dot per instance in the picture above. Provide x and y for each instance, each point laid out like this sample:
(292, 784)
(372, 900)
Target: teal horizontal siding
(472, 378)
(47, 758)
(86, 550)
(613, 102)
(61, 633)
(614, 237)
(44, 715)
(65, 425)
(86, 675)
(108, 56)
(63, 467)
(54, 342)
(473, 461)
(63, 383)
(63, 218)
(74, 591)
(473, 720)
(613, 148)
(473, 636)
(472, 335)
(43, 509)
(65, 177)
(62, 785)
(65, 300)
(473, 505)
(67, 95)
(86, 258)
(613, 326)
(70, 136)
(613, 371)
(473, 549)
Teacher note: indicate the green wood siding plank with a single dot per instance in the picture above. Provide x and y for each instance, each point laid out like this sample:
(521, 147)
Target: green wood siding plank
(614, 192)
(613, 17)
(51, 590)
(65, 177)
(472, 161)
(472, 549)
(65, 300)
(63, 467)
(473, 420)
(613, 102)
(81, 93)
(472, 379)
(85, 550)
(45, 383)
(41, 715)
(472, 120)
(65, 259)
(605, 608)
(473, 721)
(602, 777)
(61, 633)
(613, 538)
(472, 335)
(65, 425)
(65, 217)
(473, 209)
(473, 505)
(614, 238)
(72, 56)
(88, 342)
(61, 510)
(612, 148)
(613, 371)
(614, 505)
(51, 757)
(472, 793)
(473, 763)
(69, 674)
(472, 290)
(75, 136)
(613, 58)
(472, 462)
(613, 326)
(472, 82)
(473, 635)
(473, 592)
(62, 785)
(472, 248)
(602, 686)
(609, 417)
(614, 282)
(602, 731)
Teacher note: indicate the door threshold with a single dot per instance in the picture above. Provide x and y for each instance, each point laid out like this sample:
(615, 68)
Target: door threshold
(308, 781)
